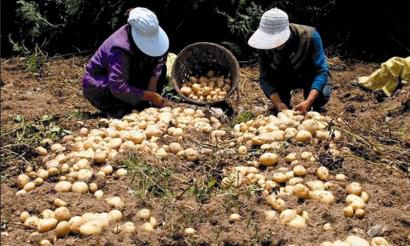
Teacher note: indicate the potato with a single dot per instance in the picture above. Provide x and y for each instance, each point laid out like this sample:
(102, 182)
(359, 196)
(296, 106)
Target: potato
(84, 175)
(297, 222)
(75, 223)
(153, 222)
(299, 170)
(45, 242)
(121, 172)
(322, 196)
(100, 156)
(348, 211)
(41, 151)
(45, 225)
(185, 90)
(279, 205)
(303, 136)
(48, 214)
(107, 169)
(62, 213)
(301, 191)
(379, 241)
(98, 194)
(128, 227)
(193, 79)
(234, 218)
(365, 196)
(315, 185)
(279, 177)
(291, 157)
(327, 227)
(175, 148)
(144, 214)
(189, 231)
(115, 202)
(32, 221)
(354, 188)
(114, 143)
(306, 155)
(59, 203)
(57, 148)
(22, 180)
(270, 215)
(52, 164)
(62, 229)
(323, 173)
(340, 177)
(356, 241)
(21, 193)
(41, 173)
(191, 154)
(287, 216)
(359, 213)
(29, 186)
(23, 216)
(268, 159)
(289, 174)
(147, 227)
(115, 215)
(295, 180)
(79, 187)
(92, 227)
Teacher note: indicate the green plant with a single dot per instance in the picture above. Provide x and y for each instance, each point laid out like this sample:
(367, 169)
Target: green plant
(242, 117)
(147, 179)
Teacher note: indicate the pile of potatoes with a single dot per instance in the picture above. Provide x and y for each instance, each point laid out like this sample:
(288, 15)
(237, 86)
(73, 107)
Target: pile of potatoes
(358, 241)
(269, 132)
(206, 88)
(356, 201)
(78, 159)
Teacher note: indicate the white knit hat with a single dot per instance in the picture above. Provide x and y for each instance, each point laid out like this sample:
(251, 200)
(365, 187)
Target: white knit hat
(273, 30)
(149, 37)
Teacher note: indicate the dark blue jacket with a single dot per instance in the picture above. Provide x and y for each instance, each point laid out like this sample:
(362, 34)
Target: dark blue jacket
(301, 61)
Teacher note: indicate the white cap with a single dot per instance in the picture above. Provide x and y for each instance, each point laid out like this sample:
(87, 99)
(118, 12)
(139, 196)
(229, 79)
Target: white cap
(149, 37)
(273, 30)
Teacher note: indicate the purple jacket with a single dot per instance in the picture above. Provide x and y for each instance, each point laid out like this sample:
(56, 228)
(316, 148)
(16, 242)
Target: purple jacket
(120, 69)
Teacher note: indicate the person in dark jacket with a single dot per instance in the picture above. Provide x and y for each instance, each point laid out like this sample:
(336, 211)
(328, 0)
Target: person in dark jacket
(291, 57)
(128, 70)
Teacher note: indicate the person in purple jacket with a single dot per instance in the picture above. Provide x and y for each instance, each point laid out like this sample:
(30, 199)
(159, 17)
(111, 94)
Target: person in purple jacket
(128, 70)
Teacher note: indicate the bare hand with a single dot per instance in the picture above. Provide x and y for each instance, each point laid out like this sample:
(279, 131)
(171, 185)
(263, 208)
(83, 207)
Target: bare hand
(158, 101)
(281, 106)
(303, 107)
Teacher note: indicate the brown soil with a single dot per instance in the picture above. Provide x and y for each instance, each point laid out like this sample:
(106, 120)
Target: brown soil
(57, 92)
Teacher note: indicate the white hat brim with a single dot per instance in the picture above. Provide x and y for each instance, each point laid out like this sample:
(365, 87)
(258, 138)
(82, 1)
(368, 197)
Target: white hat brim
(264, 41)
(154, 46)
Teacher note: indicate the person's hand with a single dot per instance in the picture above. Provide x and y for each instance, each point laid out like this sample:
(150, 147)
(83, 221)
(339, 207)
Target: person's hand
(157, 100)
(281, 106)
(303, 107)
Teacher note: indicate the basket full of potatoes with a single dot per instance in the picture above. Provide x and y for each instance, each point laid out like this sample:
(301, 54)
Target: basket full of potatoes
(205, 73)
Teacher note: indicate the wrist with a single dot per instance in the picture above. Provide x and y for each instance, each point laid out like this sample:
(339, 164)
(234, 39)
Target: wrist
(148, 95)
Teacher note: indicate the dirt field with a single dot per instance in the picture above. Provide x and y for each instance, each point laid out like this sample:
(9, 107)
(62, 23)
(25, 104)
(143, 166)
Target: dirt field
(34, 107)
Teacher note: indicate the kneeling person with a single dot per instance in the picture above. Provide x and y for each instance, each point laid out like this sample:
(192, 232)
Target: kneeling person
(291, 57)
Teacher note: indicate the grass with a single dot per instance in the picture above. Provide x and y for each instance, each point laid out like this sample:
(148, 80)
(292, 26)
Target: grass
(146, 178)
(242, 117)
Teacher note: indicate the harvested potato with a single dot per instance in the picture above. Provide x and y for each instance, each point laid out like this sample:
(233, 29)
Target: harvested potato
(79, 187)
(62, 213)
(115, 202)
(354, 188)
(144, 214)
(147, 227)
(59, 203)
(22, 180)
(323, 173)
(128, 227)
(304, 136)
(45, 225)
(299, 170)
(234, 218)
(24, 216)
(189, 231)
(92, 227)
(268, 159)
(62, 229)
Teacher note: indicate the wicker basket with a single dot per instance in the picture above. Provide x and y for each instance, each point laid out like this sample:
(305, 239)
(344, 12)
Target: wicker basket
(198, 58)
